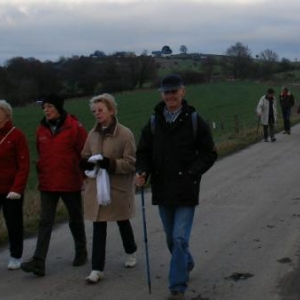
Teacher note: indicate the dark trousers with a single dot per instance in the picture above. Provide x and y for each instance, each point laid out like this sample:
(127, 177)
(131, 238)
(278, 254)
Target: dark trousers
(286, 115)
(73, 203)
(99, 242)
(13, 215)
(269, 130)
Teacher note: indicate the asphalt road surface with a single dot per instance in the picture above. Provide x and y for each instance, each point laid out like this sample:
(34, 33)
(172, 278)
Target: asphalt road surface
(245, 240)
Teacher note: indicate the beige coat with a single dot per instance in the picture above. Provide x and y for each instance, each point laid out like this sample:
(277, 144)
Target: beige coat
(120, 146)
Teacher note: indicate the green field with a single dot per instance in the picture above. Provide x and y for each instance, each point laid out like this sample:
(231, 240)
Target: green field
(229, 107)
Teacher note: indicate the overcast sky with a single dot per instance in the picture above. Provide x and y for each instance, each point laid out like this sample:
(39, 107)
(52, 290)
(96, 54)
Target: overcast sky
(50, 29)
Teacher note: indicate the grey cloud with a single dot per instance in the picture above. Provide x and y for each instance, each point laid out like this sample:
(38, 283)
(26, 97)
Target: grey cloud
(49, 31)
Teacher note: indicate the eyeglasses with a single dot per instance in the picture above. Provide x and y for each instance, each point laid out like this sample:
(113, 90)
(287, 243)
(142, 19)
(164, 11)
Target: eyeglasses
(170, 92)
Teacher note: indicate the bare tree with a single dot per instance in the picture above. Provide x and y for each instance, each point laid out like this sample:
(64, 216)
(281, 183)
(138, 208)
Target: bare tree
(238, 60)
(207, 65)
(269, 55)
(269, 60)
(144, 53)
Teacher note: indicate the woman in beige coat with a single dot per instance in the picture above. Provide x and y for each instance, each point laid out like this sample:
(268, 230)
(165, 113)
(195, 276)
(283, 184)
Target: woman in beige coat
(116, 145)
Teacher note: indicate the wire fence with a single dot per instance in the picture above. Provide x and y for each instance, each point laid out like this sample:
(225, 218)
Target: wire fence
(244, 122)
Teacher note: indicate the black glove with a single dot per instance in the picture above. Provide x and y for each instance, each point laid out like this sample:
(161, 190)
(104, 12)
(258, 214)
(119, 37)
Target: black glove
(104, 163)
(86, 165)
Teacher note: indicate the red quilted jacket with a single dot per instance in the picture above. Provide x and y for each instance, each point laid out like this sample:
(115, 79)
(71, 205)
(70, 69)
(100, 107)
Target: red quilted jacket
(14, 160)
(59, 155)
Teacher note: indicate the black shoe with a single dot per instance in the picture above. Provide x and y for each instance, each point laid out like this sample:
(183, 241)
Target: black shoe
(35, 266)
(175, 295)
(273, 139)
(80, 259)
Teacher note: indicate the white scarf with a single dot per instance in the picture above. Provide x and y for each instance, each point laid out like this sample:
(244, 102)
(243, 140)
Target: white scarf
(102, 181)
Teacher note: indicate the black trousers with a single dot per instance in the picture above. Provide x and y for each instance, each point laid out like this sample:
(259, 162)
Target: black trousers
(13, 215)
(99, 242)
(286, 115)
(269, 130)
(73, 203)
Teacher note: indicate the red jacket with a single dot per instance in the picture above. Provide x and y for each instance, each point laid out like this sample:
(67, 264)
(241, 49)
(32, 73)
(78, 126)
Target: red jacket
(60, 154)
(14, 160)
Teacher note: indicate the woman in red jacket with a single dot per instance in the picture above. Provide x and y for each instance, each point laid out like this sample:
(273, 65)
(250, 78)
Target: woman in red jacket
(59, 138)
(14, 169)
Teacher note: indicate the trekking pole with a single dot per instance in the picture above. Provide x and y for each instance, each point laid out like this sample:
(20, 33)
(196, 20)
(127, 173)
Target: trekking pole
(146, 239)
(258, 123)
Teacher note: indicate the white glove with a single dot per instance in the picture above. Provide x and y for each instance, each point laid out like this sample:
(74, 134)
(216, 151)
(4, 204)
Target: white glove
(91, 173)
(94, 158)
(13, 195)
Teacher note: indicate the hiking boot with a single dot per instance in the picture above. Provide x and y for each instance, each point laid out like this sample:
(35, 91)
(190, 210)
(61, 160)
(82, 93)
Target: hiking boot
(176, 295)
(35, 266)
(80, 259)
(94, 277)
(130, 261)
(14, 263)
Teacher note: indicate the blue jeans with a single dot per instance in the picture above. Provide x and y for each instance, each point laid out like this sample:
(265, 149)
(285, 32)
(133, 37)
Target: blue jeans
(177, 222)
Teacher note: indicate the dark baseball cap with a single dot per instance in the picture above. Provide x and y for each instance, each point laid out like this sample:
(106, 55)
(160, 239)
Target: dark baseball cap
(171, 82)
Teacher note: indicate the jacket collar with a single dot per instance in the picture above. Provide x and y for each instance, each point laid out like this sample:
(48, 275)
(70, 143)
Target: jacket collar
(57, 123)
(159, 108)
(110, 130)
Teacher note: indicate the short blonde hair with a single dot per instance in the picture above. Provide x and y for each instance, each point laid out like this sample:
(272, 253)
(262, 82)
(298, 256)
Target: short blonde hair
(106, 99)
(6, 107)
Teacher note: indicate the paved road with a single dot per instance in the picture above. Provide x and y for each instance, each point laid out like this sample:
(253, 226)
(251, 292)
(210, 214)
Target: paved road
(245, 240)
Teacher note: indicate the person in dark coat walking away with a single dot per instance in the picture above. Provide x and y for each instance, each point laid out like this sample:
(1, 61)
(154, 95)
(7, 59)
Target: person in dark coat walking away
(175, 151)
(267, 112)
(287, 101)
(59, 139)
(113, 147)
(14, 170)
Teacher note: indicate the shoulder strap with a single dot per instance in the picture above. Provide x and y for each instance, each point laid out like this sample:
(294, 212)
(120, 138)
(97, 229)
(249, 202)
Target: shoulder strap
(7, 135)
(152, 123)
(194, 122)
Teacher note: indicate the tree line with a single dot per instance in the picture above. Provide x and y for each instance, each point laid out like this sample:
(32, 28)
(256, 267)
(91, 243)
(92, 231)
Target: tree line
(26, 80)
(23, 80)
